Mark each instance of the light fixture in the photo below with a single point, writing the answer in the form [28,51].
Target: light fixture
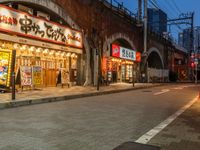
[3,45]
[58,53]
[38,50]
[68,54]
[52,52]
[46,51]
[72,55]
[63,54]
[24,47]
[32,48]
[16,46]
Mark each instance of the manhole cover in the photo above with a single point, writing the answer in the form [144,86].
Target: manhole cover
[136,146]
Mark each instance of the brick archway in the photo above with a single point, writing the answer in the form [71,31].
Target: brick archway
[114,37]
[155,50]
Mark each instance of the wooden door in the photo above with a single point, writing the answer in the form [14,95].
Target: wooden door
[49,73]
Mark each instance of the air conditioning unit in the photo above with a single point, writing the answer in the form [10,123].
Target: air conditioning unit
[25,9]
[43,15]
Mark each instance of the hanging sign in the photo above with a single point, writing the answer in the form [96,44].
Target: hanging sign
[23,24]
[5,67]
[37,75]
[26,75]
[64,76]
[138,57]
[124,53]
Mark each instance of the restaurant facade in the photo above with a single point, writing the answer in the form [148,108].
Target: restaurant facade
[42,53]
[121,64]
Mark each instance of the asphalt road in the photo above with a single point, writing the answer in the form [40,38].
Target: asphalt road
[92,123]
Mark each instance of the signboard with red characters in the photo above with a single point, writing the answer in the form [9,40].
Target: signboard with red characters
[124,53]
[115,50]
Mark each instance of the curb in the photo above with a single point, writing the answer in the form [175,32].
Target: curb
[13,104]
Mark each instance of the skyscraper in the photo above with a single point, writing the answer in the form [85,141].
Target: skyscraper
[157,20]
[197,38]
[184,39]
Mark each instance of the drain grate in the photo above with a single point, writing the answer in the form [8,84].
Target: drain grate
[136,146]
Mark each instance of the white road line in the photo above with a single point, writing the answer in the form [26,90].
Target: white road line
[178,88]
[163,91]
[144,139]
[182,87]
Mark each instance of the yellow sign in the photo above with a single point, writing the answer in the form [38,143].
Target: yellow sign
[37,75]
[5,67]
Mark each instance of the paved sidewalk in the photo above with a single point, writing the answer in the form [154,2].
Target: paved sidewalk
[59,94]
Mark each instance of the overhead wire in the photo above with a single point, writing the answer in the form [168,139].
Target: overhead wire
[155,4]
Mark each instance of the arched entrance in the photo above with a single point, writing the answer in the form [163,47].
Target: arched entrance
[155,67]
[118,59]
[155,59]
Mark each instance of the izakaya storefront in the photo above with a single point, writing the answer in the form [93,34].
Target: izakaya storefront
[42,53]
[121,65]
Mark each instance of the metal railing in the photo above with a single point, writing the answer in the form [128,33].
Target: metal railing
[119,9]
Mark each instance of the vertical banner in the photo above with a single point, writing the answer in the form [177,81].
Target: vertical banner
[37,75]
[5,67]
[64,76]
[26,75]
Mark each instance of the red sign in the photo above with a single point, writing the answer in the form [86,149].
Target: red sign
[115,50]
[138,57]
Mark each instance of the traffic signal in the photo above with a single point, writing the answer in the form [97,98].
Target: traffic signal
[192,65]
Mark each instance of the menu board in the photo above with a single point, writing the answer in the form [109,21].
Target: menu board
[37,75]
[26,75]
[64,76]
[5,67]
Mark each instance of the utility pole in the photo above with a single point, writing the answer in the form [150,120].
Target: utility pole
[145,26]
[192,43]
[139,15]
[145,36]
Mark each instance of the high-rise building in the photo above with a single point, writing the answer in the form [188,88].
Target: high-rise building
[197,38]
[157,20]
[184,39]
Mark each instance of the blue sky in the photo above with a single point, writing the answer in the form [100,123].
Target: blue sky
[173,8]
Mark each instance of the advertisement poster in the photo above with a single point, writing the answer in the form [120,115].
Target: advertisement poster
[5,60]
[26,75]
[37,75]
[64,76]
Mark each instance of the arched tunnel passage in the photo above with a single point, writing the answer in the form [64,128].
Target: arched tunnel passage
[118,66]
[154,61]
[123,43]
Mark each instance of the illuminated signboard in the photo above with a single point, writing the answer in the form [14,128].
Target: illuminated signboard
[138,57]
[5,67]
[124,53]
[23,24]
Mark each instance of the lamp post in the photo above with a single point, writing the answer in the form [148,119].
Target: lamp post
[98,67]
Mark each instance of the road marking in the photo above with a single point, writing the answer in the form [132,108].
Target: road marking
[163,91]
[178,88]
[182,87]
[144,139]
